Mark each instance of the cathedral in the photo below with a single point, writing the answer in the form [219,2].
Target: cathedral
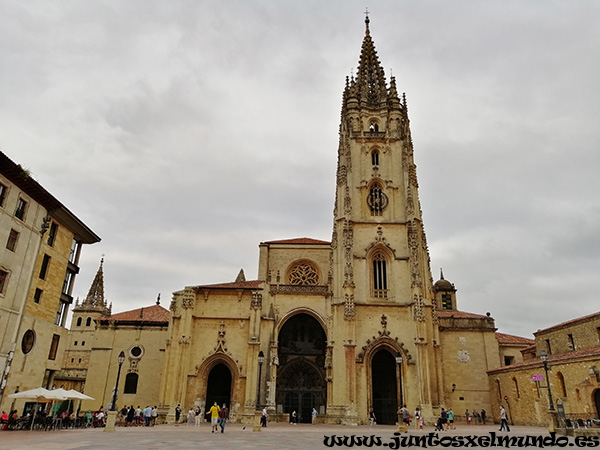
[345,325]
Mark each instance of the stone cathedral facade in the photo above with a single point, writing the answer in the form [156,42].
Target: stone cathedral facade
[345,325]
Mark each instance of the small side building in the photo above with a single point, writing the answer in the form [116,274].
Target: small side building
[573,379]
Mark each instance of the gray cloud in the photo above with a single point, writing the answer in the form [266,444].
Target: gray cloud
[184,133]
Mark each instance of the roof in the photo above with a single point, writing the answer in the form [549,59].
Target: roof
[21,178]
[568,323]
[560,358]
[451,313]
[301,241]
[147,314]
[508,339]
[253,284]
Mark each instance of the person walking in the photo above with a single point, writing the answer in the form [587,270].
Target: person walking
[450,415]
[214,416]
[503,420]
[177,413]
[263,418]
[314,415]
[294,418]
[191,417]
[223,416]
[417,417]
[198,418]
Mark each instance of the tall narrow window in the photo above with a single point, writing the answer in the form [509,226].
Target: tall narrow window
[79,319]
[562,388]
[54,347]
[88,322]
[571,342]
[375,157]
[13,237]
[73,253]
[548,346]
[131,382]
[69,276]
[3,279]
[44,268]
[61,314]
[52,234]
[3,191]
[379,276]
[376,200]
[20,209]
[37,297]
[516,386]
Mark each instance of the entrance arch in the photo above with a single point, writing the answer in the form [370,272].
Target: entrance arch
[385,380]
[301,373]
[218,387]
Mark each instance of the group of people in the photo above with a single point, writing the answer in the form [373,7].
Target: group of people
[475,416]
[218,416]
[445,420]
[131,416]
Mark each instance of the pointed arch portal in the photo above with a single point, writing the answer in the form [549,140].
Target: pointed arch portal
[218,388]
[384,387]
[301,373]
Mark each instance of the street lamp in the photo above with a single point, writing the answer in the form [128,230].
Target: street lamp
[544,358]
[261,360]
[399,363]
[121,359]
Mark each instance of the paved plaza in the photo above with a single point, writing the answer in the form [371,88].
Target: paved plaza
[236,436]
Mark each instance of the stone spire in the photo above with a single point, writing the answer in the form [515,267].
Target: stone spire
[370,85]
[95,299]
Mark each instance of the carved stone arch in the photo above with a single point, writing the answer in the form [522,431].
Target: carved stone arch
[304,272]
[196,392]
[380,246]
[301,310]
[375,344]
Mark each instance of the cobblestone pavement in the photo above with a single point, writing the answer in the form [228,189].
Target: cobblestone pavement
[236,436]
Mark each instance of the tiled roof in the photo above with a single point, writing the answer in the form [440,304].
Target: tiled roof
[448,313]
[253,284]
[560,358]
[154,313]
[303,240]
[568,322]
[510,339]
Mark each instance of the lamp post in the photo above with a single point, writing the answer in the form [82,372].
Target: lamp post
[399,363]
[121,359]
[544,358]
[111,415]
[261,360]
[257,414]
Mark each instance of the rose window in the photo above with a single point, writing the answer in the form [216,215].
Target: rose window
[304,274]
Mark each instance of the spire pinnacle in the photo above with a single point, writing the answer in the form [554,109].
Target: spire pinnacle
[367,18]
[95,298]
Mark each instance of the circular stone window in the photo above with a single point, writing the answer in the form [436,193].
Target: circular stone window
[28,341]
[136,352]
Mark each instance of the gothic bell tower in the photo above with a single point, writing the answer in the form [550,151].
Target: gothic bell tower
[380,276]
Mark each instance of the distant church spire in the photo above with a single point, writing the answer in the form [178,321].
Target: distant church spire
[95,299]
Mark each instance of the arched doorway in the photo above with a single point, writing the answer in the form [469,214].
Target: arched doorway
[384,387]
[218,388]
[597,402]
[301,374]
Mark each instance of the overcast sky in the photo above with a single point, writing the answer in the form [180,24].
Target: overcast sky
[184,133]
